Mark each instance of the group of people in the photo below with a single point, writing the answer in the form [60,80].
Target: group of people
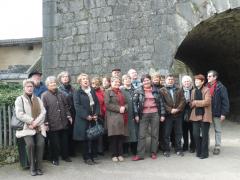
[56,116]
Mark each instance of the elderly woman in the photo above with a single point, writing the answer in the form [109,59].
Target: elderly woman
[128,91]
[58,118]
[106,83]
[187,129]
[201,116]
[117,118]
[67,90]
[149,110]
[30,110]
[87,112]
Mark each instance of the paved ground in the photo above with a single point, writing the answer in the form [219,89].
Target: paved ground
[222,167]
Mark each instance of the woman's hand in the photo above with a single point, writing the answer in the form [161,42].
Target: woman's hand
[89,118]
[70,119]
[122,109]
[162,118]
[94,117]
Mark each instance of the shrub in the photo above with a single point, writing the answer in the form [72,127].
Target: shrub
[8,155]
[9,92]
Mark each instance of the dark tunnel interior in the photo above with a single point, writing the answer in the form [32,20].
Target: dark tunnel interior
[215,44]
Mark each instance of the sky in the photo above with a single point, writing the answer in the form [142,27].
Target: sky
[20,19]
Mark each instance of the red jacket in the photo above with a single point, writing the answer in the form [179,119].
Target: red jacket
[100,96]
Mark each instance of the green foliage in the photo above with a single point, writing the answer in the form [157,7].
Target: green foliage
[8,155]
[9,92]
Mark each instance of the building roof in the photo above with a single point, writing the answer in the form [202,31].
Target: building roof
[16,42]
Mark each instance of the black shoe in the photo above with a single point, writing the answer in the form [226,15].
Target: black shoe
[95,161]
[33,173]
[39,172]
[67,160]
[192,151]
[100,153]
[179,153]
[55,163]
[216,151]
[203,157]
[89,162]
[166,154]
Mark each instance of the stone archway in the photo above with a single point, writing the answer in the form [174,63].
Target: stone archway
[215,44]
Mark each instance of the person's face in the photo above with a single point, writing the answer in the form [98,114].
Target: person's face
[127,81]
[116,73]
[105,83]
[133,74]
[28,88]
[36,78]
[146,83]
[170,81]
[115,83]
[84,83]
[187,83]
[198,83]
[52,86]
[65,79]
[162,81]
[95,84]
[156,80]
[211,78]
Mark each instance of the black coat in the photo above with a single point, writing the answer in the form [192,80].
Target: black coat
[220,101]
[83,110]
[139,98]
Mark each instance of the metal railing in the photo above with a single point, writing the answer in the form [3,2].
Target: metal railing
[7,135]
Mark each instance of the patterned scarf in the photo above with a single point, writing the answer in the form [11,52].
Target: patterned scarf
[121,102]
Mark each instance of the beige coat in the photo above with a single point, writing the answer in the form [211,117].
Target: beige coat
[115,122]
[206,103]
[27,117]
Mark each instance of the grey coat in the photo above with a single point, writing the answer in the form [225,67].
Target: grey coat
[115,121]
[132,125]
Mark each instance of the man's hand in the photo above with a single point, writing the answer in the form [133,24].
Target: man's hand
[222,118]
[162,118]
[137,119]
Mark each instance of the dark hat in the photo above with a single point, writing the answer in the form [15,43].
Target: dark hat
[116,69]
[34,72]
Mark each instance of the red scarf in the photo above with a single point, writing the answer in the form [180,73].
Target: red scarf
[212,88]
[121,102]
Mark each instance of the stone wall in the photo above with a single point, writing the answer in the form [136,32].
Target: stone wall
[94,36]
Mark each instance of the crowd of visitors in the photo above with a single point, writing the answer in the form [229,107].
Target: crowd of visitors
[57,116]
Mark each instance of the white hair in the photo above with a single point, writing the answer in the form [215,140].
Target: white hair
[186,78]
[50,79]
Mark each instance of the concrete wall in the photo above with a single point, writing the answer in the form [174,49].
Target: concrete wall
[18,55]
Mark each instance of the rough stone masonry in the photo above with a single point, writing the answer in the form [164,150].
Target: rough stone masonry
[94,36]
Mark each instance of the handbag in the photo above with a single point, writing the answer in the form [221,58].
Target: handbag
[17,124]
[94,131]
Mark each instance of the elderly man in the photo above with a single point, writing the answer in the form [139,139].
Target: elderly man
[58,117]
[174,103]
[136,83]
[116,72]
[220,106]
[39,86]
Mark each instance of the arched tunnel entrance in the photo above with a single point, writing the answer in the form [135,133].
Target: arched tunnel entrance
[215,44]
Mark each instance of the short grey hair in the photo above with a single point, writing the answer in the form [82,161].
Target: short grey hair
[27,81]
[50,79]
[61,74]
[185,78]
